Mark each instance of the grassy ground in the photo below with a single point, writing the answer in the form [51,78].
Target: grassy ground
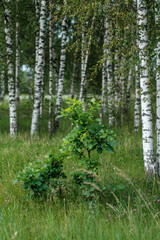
[129,211]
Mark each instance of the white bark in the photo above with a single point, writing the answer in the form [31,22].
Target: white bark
[157,18]
[116,77]
[74,75]
[50,70]
[122,83]
[39,71]
[110,95]
[11,90]
[137,101]
[61,76]
[36,36]
[2,86]
[30,85]
[55,67]
[104,75]
[147,132]
[17,90]
[84,62]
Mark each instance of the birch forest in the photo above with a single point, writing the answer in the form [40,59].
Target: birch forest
[80,119]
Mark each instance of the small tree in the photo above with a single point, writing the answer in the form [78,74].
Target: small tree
[87,134]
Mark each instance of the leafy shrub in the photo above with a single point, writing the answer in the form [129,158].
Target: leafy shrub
[87,134]
[40,178]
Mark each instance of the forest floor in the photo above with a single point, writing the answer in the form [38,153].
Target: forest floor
[130,211]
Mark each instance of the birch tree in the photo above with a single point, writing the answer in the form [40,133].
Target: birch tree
[104,74]
[11,87]
[137,101]
[147,132]
[50,69]
[17,91]
[61,76]
[84,61]
[2,85]
[157,20]
[74,76]
[39,70]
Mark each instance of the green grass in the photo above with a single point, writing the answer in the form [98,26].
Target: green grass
[130,210]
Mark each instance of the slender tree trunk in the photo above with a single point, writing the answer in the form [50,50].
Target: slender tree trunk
[50,71]
[84,63]
[36,36]
[11,89]
[74,76]
[109,75]
[147,132]
[30,85]
[137,101]
[158,88]
[55,66]
[2,86]
[122,83]
[42,89]
[61,77]
[104,74]
[128,95]
[116,79]
[39,71]
[17,90]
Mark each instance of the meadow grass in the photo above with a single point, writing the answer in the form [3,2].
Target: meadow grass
[129,210]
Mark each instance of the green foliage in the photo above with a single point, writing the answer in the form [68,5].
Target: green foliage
[87,134]
[40,178]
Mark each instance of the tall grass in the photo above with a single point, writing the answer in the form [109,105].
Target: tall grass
[130,210]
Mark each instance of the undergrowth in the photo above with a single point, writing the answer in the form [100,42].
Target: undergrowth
[128,209]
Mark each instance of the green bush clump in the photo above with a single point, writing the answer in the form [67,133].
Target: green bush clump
[87,135]
[42,177]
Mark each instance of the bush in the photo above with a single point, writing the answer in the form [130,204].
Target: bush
[41,178]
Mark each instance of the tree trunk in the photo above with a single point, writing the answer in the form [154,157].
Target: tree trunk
[137,101]
[30,85]
[50,71]
[2,86]
[84,62]
[104,74]
[39,70]
[158,89]
[55,66]
[147,132]
[17,90]
[74,76]
[61,77]
[11,89]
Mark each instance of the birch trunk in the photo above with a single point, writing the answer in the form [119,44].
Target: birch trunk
[30,85]
[147,132]
[17,90]
[50,71]
[42,88]
[137,101]
[39,71]
[74,76]
[2,86]
[84,63]
[116,77]
[122,83]
[104,75]
[55,67]
[61,77]
[157,18]
[109,75]
[11,87]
